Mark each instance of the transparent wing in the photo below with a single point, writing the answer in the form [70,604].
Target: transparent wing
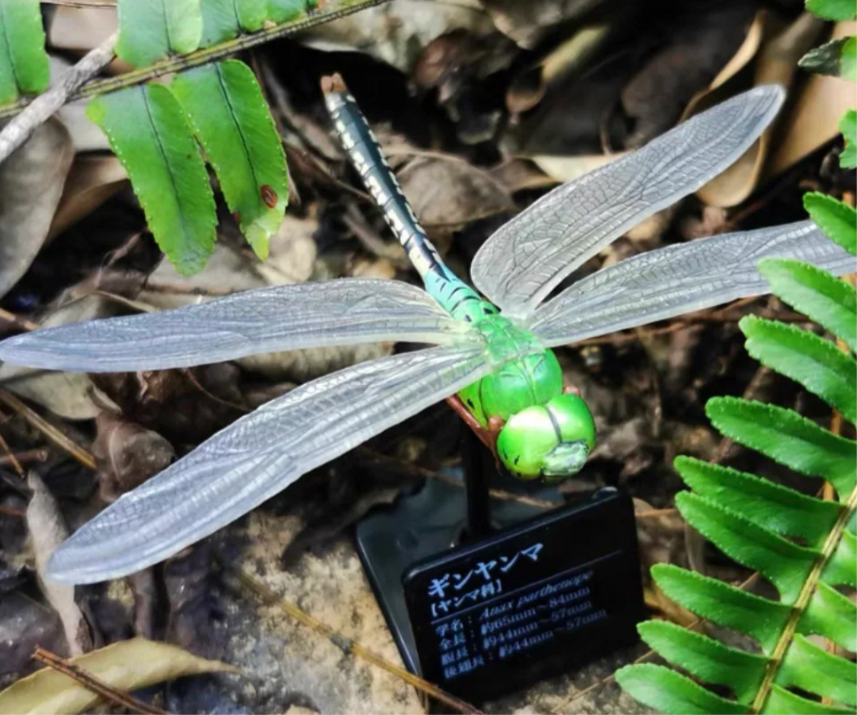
[527,258]
[259,455]
[680,279]
[337,312]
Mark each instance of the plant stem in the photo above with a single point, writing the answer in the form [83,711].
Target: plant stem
[45,105]
[201,57]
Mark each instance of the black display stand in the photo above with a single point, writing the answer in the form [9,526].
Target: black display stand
[485,596]
[437,518]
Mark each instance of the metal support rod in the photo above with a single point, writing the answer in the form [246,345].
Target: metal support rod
[476,479]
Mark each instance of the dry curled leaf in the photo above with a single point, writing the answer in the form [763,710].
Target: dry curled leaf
[31,183]
[127,455]
[91,182]
[815,118]
[775,63]
[127,665]
[47,531]
[447,191]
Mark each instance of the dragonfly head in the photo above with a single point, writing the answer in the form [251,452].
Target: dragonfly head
[551,441]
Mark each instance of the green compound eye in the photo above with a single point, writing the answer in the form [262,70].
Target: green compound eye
[551,441]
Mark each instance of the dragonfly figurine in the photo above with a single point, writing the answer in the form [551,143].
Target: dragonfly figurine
[496,356]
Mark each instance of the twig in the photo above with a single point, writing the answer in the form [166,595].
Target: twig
[46,428]
[16,320]
[347,645]
[200,57]
[10,458]
[90,682]
[12,511]
[46,104]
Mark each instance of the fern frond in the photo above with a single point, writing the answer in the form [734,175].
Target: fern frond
[225,106]
[23,60]
[758,523]
[148,132]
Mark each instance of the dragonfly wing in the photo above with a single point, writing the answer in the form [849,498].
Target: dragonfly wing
[680,279]
[337,312]
[258,456]
[528,257]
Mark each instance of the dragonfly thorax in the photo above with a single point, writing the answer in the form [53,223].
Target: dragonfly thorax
[546,433]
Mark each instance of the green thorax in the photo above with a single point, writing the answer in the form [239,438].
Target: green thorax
[526,375]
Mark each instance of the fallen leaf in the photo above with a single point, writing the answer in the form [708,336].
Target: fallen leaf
[814,121]
[569,168]
[776,63]
[446,191]
[127,455]
[31,183]
[527,23]
[702,42]
[48,530]
[530,85]
[25,624]
[397,33]
[127,665]
[91,182]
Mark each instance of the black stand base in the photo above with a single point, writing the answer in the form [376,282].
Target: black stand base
[436,519]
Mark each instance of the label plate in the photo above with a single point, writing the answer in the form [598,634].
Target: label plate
[530,601]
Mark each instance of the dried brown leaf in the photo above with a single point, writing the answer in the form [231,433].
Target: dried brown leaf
[775,63]
[446,191]
[127,455]
[31,183]
[814,121]
[48,530]
[91,182]
[127,665]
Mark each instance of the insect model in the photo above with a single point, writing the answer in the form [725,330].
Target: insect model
[496,356]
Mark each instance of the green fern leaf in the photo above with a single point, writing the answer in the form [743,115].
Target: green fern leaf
[23,60]
[150,30]
[848,127]
[787,438]
[836,219]
[782,510]
[813,669]
[224,19]
[783,702]
[726,605]
[707,658]
[837,10]
[148,133]
[829,301]
[225,106]
[670,692]
[815,363]
[832,615]
[841,570]
[782,562]
[285,10]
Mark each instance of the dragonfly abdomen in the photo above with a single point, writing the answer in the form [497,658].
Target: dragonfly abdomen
[457,298]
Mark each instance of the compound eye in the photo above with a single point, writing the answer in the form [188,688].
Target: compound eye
[551,441]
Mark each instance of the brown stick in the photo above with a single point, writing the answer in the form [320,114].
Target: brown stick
[90,682]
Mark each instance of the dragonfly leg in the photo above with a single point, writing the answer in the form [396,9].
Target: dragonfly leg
[487,435]
[569,389]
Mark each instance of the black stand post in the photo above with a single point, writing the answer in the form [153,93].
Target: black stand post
[476,488]
[429,523]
